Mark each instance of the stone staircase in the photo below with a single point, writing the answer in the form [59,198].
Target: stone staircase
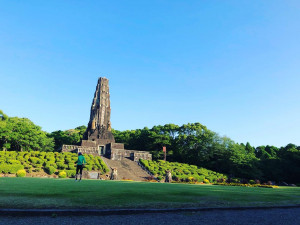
[127,169]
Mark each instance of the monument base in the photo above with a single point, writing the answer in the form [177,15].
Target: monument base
[113,151]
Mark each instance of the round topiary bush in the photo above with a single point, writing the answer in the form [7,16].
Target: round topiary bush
[70,173]
[49,169]
[252,182]
[206,181]
[62,174]
[88,167]
[21,173]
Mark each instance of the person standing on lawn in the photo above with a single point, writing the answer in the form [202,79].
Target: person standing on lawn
[80,163]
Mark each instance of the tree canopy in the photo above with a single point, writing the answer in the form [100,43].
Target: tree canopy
[191,143]
[194,144]
[22,134]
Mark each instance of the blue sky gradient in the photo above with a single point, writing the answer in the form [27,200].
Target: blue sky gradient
[233,66]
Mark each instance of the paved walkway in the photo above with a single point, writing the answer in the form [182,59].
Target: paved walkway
[289,216]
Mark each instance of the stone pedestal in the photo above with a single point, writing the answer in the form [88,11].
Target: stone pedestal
[90,174]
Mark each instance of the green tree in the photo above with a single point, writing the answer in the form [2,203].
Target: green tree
[249,148]
[22,134]
[4,131]
[290,163]
[67,137]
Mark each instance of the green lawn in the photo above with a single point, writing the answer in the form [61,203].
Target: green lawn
[65,193]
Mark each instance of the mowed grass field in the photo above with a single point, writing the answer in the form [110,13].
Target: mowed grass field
[36,193]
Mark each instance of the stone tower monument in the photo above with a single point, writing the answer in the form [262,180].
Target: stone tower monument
[98,138]
[99,127]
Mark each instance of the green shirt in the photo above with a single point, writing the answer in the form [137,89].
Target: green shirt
[81,160]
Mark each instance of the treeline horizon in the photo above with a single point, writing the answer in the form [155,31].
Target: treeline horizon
[191,143]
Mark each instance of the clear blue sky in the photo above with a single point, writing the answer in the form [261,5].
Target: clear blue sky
[233,66]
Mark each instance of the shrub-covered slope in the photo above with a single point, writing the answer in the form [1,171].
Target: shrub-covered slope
[182,172]
[50,162]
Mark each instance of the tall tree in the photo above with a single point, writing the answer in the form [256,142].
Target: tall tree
[21,134]
[67,137]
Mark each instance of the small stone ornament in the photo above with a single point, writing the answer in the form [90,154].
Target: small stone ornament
[168,176]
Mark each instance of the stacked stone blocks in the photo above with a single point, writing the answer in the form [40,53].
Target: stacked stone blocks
[98,138]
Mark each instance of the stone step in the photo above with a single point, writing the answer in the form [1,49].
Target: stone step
[127,169]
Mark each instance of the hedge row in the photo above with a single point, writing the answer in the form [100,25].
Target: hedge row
[50,162]
[247,185]
[182,172]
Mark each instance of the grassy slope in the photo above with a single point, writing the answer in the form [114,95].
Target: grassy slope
[65,193]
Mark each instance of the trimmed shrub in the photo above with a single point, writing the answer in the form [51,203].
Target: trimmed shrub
[71,166]
[69,160]
[62,174]
[27,166]
[50,169]
[206,181]
[51,163]
[21,173]
[61,165]
[51,158]
[190,179]
[13,161]
[70,173]
[9,168]
[104,167]
[88,167]
[252,182]
[201,178]
[182,172]
[27,156]
[34,160]
[247,185]
[175,178]
[42,155]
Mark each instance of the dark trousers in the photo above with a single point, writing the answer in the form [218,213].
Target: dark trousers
[79,168]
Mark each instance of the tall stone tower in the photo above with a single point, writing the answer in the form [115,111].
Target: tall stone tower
[98,138]
[99,127]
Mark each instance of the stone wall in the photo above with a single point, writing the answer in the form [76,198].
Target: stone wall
[119,154]
[111,152]
[116,145]
[137,155]
[92,151]
[82,149]
[88,143]
[68,148]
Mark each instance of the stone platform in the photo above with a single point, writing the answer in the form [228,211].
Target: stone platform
[113,151]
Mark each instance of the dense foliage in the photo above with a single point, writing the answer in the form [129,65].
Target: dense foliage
[51,162]
[196,145]
[67,137]
[21,134]
[190,143]
[182,172]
